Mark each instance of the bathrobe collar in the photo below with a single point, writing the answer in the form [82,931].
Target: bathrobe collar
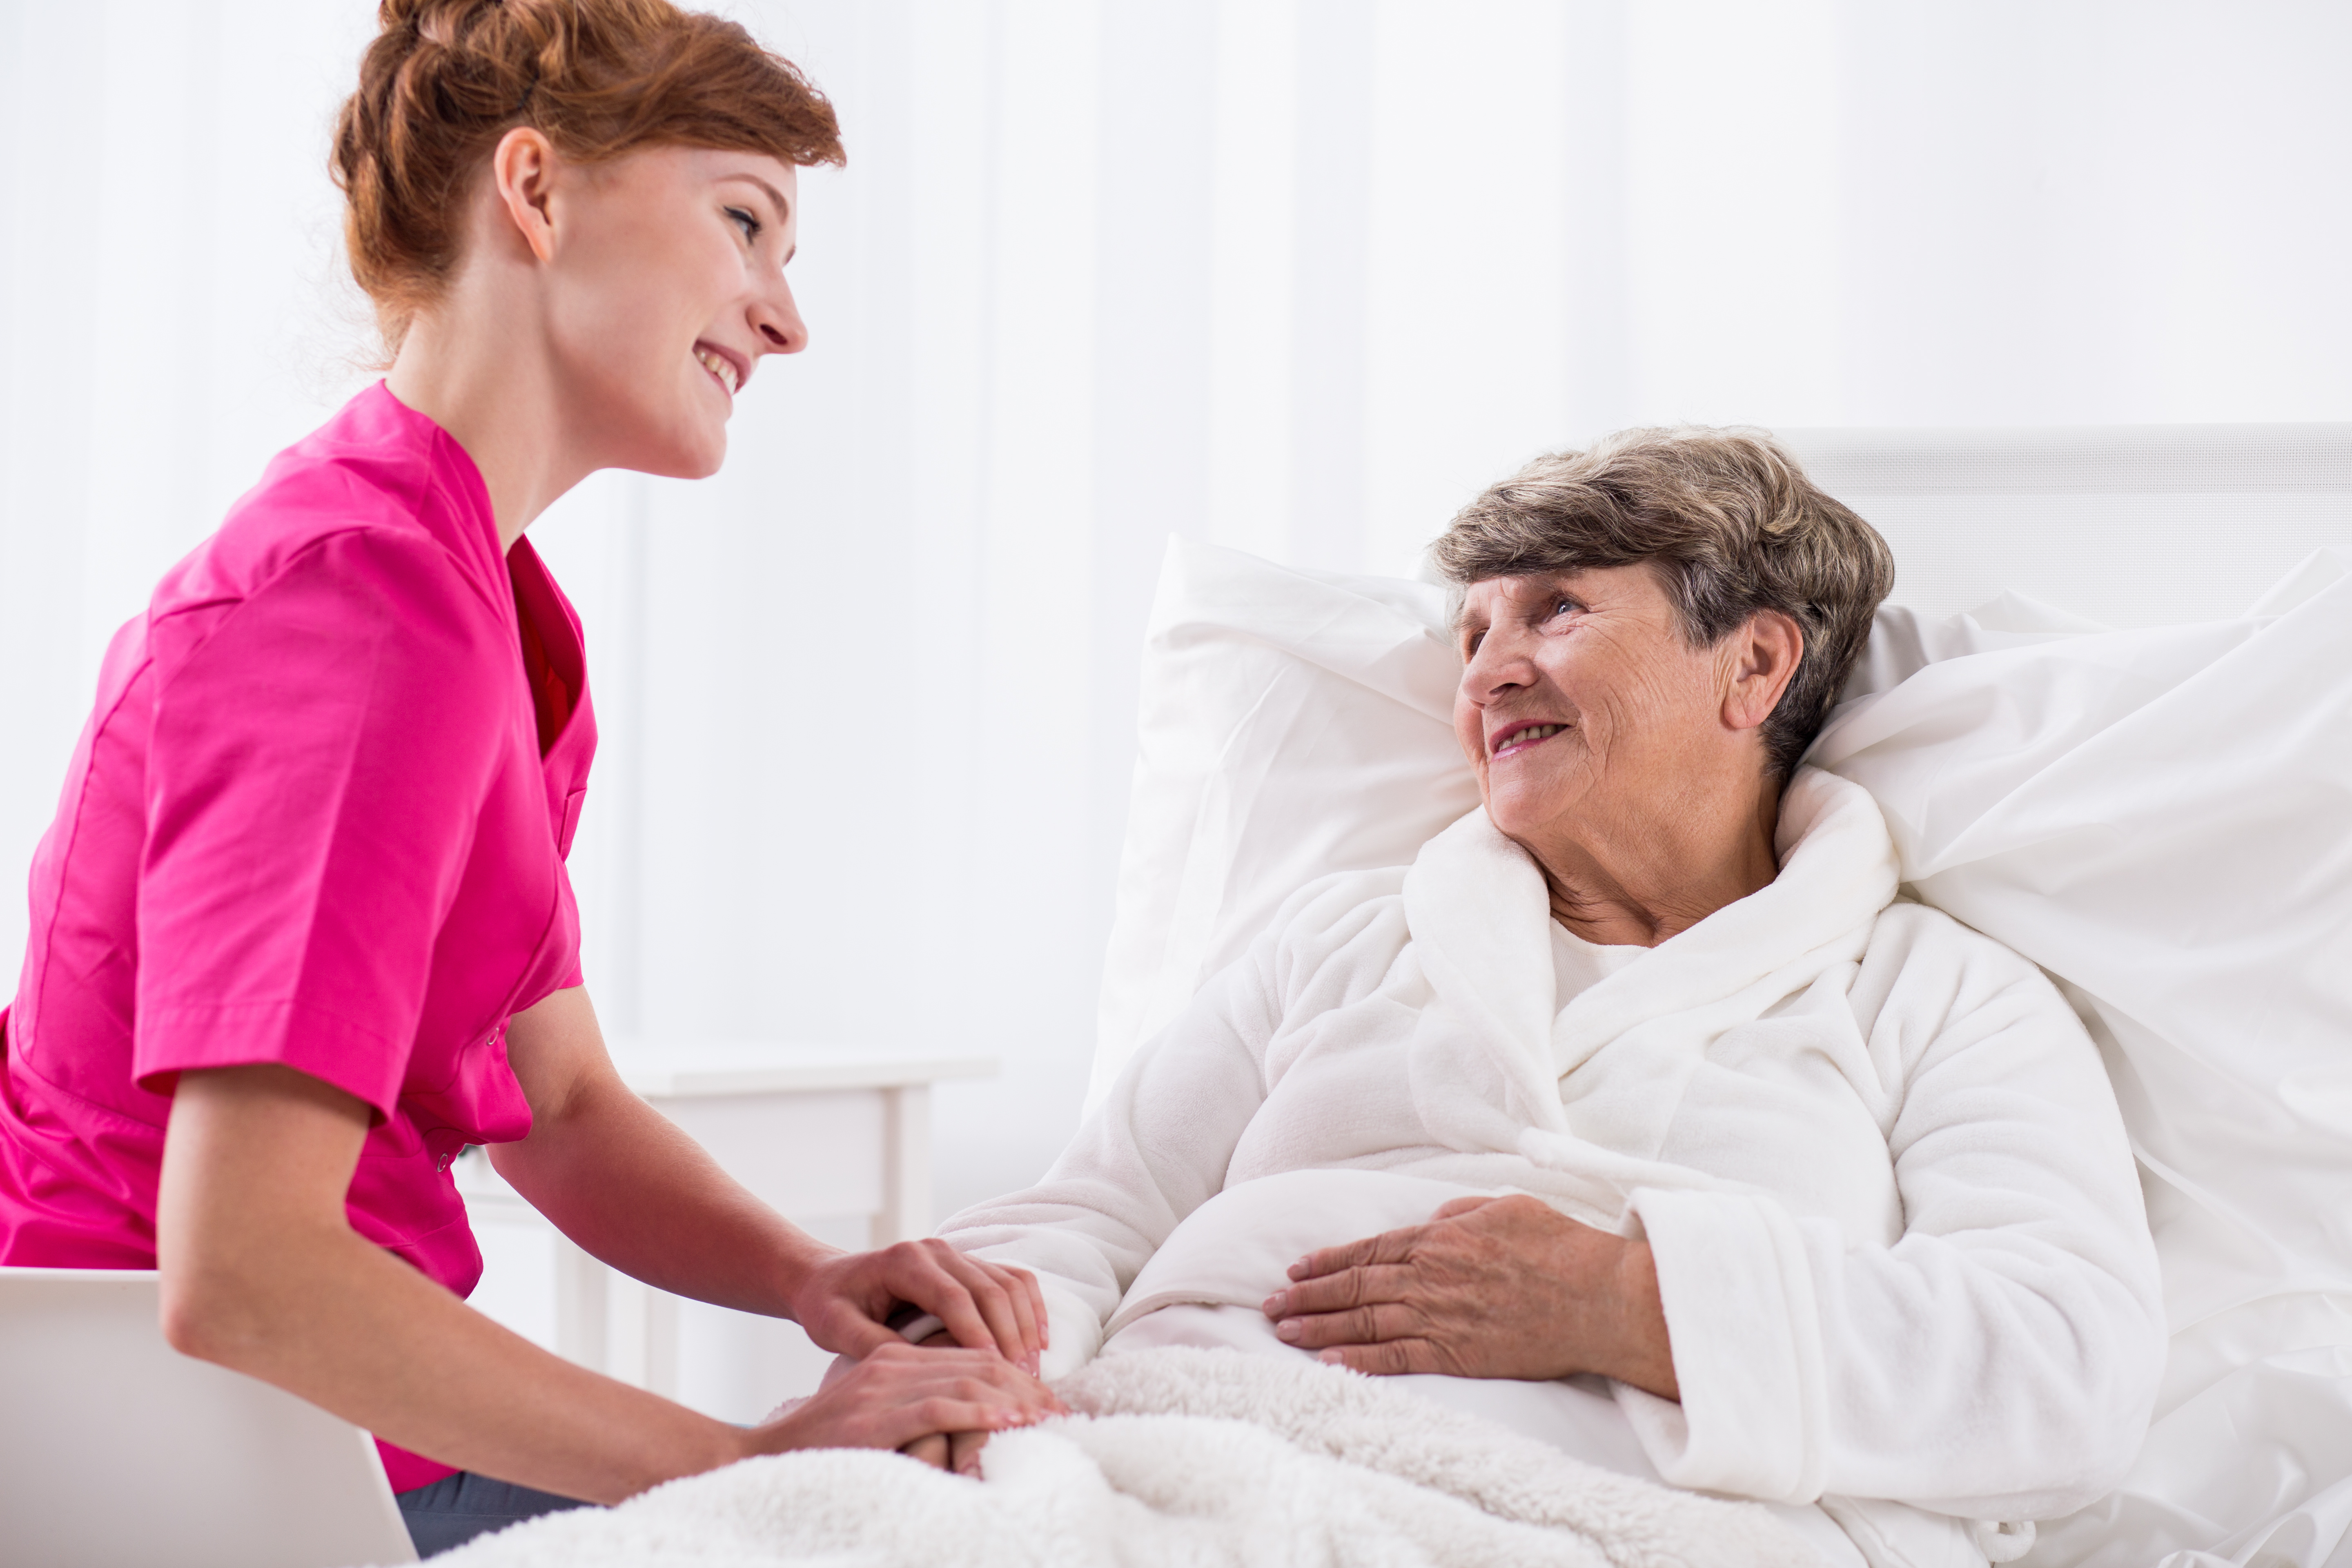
[1481,923]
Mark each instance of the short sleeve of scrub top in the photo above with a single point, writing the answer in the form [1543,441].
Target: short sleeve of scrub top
[317,758]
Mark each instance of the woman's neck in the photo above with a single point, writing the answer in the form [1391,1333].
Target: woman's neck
[1637,881]
[478,369]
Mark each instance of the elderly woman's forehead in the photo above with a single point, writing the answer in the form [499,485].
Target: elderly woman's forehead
[1524,585]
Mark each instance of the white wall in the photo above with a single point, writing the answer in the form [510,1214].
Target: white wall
[1295,275]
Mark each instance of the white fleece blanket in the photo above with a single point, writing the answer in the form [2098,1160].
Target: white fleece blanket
[1183,1457]
[1898,1233]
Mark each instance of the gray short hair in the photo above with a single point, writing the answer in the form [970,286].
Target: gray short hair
[1730,524]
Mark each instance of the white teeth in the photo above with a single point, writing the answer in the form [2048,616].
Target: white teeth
[719,366]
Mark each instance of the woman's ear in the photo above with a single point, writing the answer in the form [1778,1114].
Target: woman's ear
[522,175]
[1764,655]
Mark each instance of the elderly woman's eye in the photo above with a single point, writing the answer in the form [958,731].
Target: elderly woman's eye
[749,224]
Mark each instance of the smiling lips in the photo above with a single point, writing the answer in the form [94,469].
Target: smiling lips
[721,368]
[1519,737]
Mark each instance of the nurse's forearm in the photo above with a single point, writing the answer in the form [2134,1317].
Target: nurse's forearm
[261,1272]
[620,1179]
[616,1177]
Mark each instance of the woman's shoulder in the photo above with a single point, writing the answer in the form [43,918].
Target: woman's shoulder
[378,499]
[1928,972]
[1341,917]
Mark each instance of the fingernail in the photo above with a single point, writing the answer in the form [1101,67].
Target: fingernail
[1277,1304]
[1288,1329]
[1298,1270]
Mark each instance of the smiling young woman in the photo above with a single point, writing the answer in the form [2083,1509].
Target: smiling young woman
[302,926]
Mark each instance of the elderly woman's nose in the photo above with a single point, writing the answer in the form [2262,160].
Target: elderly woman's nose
[1496,665]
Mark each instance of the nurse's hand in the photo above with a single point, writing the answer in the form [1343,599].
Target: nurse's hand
[845,1301]
[899,1396]
[1502,1287]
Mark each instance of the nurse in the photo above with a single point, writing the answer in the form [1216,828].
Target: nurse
[301,929]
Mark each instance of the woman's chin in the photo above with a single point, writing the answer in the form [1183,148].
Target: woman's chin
[695,455]
[1520,806]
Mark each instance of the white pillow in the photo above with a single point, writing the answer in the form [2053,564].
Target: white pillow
[1293,723]
[2161,818]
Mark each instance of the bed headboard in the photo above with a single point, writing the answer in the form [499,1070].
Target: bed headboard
[2130,525]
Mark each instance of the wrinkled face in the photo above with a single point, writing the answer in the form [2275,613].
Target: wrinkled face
[667,289]
[1579,697]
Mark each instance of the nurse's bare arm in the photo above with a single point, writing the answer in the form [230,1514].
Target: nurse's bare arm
[620,1179]
[263,1273]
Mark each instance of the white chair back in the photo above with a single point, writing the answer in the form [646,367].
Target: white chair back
[115,1449]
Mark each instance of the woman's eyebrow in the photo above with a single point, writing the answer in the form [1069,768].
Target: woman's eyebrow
[783,207]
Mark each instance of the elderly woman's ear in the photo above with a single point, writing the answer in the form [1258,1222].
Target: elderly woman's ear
[1759,660]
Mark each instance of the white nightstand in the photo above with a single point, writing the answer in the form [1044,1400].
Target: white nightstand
[821,1132]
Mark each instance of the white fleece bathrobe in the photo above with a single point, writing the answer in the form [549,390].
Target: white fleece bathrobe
[1898,1233]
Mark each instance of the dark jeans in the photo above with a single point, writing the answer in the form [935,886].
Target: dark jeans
[456,1508]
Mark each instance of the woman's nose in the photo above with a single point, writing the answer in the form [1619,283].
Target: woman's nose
[1494,669]
[777,320]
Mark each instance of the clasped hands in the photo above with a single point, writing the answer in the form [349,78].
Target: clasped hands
[1500,1287]
[1497,1287]
[976,1375]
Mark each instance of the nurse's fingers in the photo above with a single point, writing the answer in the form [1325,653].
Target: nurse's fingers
[1028,1306]
[901,1394]
[969,1297]
[931,1449]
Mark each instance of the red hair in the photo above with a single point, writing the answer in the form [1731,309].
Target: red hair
[445,80]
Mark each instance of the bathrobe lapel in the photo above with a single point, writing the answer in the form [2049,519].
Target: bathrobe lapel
[1837,872]
[1481,925]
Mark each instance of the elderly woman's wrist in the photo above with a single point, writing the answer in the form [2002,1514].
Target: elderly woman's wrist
[1642,1348]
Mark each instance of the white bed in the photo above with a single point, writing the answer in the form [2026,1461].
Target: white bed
[2161,814]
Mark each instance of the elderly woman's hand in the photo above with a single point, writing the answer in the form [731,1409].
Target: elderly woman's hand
[1489,1288]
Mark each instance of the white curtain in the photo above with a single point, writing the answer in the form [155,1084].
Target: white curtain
[1293,275]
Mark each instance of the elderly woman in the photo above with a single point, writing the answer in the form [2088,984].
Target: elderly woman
[1641,1111]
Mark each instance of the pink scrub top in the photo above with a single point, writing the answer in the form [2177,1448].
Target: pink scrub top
[318,817]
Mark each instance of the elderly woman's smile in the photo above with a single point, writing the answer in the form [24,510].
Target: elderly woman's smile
[1626,754]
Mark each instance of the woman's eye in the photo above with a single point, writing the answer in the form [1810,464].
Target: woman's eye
[749,225]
